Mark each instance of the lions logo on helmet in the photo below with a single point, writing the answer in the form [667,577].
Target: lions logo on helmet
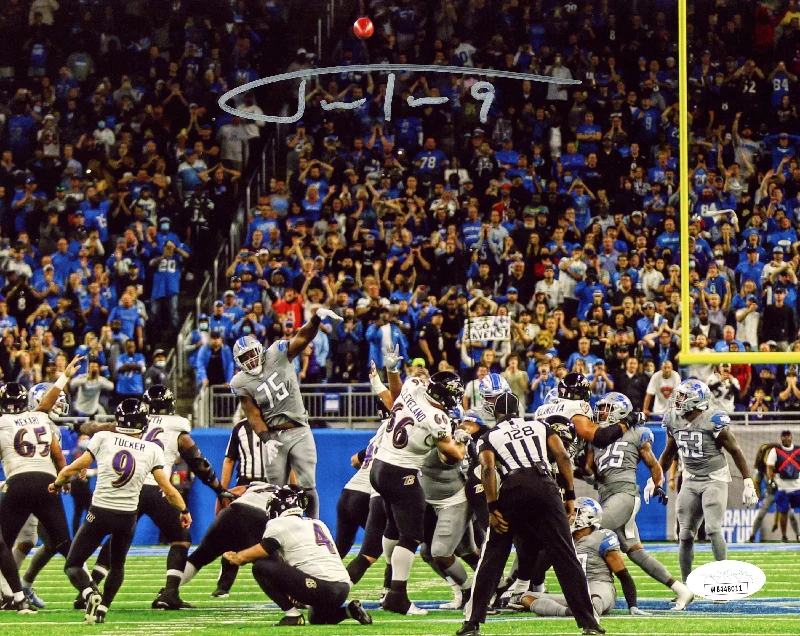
[36,395]
[248,353]
[490,388]
[691,395]
[574,386]
[612,408]
[552,396]
[588,514]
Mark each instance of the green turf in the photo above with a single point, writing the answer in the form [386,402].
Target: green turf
[244,611]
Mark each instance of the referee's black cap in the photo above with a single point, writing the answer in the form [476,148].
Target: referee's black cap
[506,404]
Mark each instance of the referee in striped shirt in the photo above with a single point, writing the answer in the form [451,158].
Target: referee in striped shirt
[526,505]
[244,453]
[244,450]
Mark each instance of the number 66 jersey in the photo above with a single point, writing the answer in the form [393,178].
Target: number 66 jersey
[275,390]
[164,431]
[123,463]
[414,429]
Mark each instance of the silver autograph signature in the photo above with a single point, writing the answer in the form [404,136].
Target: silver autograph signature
[481,91]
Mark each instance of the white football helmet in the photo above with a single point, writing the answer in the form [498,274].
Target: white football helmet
[612,408]
[248,353]
[491,387]
[36,395]
[588,514]
[691,395]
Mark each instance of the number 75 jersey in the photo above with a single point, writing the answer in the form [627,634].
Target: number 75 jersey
[164,431]
[25,441]
[275,390]
[415,427]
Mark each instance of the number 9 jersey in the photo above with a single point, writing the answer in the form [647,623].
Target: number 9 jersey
[164,431]
[123,463]
[275,389]
[414,429]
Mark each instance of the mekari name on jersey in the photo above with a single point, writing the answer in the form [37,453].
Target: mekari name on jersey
[25,442]
[123,463]
[164,431]
[415,427]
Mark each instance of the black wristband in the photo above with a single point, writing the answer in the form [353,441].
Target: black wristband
[185,511]
[316,321]
[493,505]
[569,495]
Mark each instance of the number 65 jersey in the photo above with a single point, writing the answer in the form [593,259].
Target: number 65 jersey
[697,444]
[275,390]
[123,463]
[164,431]
[414,429]
[25,441]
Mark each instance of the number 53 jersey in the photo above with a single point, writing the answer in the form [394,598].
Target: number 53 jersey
[275,390]
[697,444]
[123,463]
[414,429]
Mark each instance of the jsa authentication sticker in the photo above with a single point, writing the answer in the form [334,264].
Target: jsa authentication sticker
[726,580]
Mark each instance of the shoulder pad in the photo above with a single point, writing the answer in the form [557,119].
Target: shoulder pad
[720,420]
[281,345]
[586,409]
[473,416]
[645,436]
[609,542]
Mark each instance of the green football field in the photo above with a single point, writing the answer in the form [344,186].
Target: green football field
[773,610]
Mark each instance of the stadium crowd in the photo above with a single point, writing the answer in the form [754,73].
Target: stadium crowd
[116,165]
[560,212]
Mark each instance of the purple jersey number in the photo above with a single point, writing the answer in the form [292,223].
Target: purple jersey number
[152,436]
[124,465]
[24,448]
[322,538]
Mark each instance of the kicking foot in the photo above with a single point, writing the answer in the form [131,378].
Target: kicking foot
[33,597]
[24,607]
[469,628]
[92,603]
[291,621]
[356,611]
[220,593]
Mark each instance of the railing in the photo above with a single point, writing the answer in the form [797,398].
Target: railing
[354,406]
[171,371]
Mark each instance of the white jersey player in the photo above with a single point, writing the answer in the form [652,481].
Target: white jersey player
[420,422]
[123,463]
[309,570]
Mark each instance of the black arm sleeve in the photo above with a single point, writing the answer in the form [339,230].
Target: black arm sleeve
[271,545]
[362,454]
[628,587]
[605,435]
[201,467]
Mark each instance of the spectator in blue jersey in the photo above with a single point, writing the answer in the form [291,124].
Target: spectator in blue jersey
[127,313]
[589,135]
[220,322]
[130,368]
[750,269]
[214,365]
[542,381]
[265,221]
[429,160]
[166,234]
[383,334]
[48,290]
[167,270]
[649,322]
[23,202]
[189,171]
[96,210]
[231,305]
[583,353]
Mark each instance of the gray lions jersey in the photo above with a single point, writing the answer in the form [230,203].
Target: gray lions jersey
[442,481]
[275,390]
[592,550]
[697,444]
[615,465]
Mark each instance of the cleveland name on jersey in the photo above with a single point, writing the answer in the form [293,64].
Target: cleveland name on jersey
[615,465]
[165,430]
[414,429]
[697,444]
[123,463]
[25,441]
[275,390]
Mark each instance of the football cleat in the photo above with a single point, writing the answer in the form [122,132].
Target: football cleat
[100,614]
[291,621]
[413,610]
[169,600]
[92,603]
[468,628]
[7,603]
[457,602]
[79,603]
[24,607]
[590,631]
[684,598]
[220,593]
[356,611]
[33,597]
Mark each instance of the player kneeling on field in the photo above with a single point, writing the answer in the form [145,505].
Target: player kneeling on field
[310,570]
[599,554]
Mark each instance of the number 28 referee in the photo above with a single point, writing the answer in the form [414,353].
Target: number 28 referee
[527,505]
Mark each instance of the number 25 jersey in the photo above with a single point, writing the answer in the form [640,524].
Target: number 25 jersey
[164,431]
[275,390]
[123,463]
[414,429]
[25,441]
